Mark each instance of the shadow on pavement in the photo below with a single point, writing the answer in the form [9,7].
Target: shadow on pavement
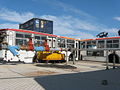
[96,80]
[56,66]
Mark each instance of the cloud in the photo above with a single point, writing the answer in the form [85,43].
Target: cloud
[112,31]
[74,10]
[63,25]
[71,22]
[8,25]
[77,28]
[70,26]
[13,16]
[68,8]
[117,18]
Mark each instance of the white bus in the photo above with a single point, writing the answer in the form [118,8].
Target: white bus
[95,49]
[20,38]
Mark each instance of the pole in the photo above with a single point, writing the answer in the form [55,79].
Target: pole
[107,60]
[73,56]
[66,47]
[114,60]
[66,56]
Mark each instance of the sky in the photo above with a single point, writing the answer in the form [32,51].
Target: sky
[81,19]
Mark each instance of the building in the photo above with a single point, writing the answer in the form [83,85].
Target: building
[38,25]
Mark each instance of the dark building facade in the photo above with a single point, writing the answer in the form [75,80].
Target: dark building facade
[39,25]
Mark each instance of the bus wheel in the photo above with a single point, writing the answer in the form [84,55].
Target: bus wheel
[111,57]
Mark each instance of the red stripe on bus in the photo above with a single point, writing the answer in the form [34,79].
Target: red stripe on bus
[28,31]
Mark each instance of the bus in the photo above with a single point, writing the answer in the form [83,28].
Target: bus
[99,48]
[14,42]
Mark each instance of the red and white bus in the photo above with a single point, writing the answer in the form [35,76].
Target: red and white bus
[19,37]
[97,49]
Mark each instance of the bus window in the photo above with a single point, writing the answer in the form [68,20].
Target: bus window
[19,35]
[91,44]
[37,37]
[61,42]
[19,42]
[27,36]
[70,41]
[88,44]
[25,42]
[82,44]
[43,37]
[95,53]
[112,44]
[100,44]
[115,44]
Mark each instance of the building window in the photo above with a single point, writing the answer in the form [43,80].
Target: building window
[37,25]
[21,26]
[42,24]
[31,22]
[37,21]
[26,25]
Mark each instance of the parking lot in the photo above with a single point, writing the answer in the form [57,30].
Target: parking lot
[15,76]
